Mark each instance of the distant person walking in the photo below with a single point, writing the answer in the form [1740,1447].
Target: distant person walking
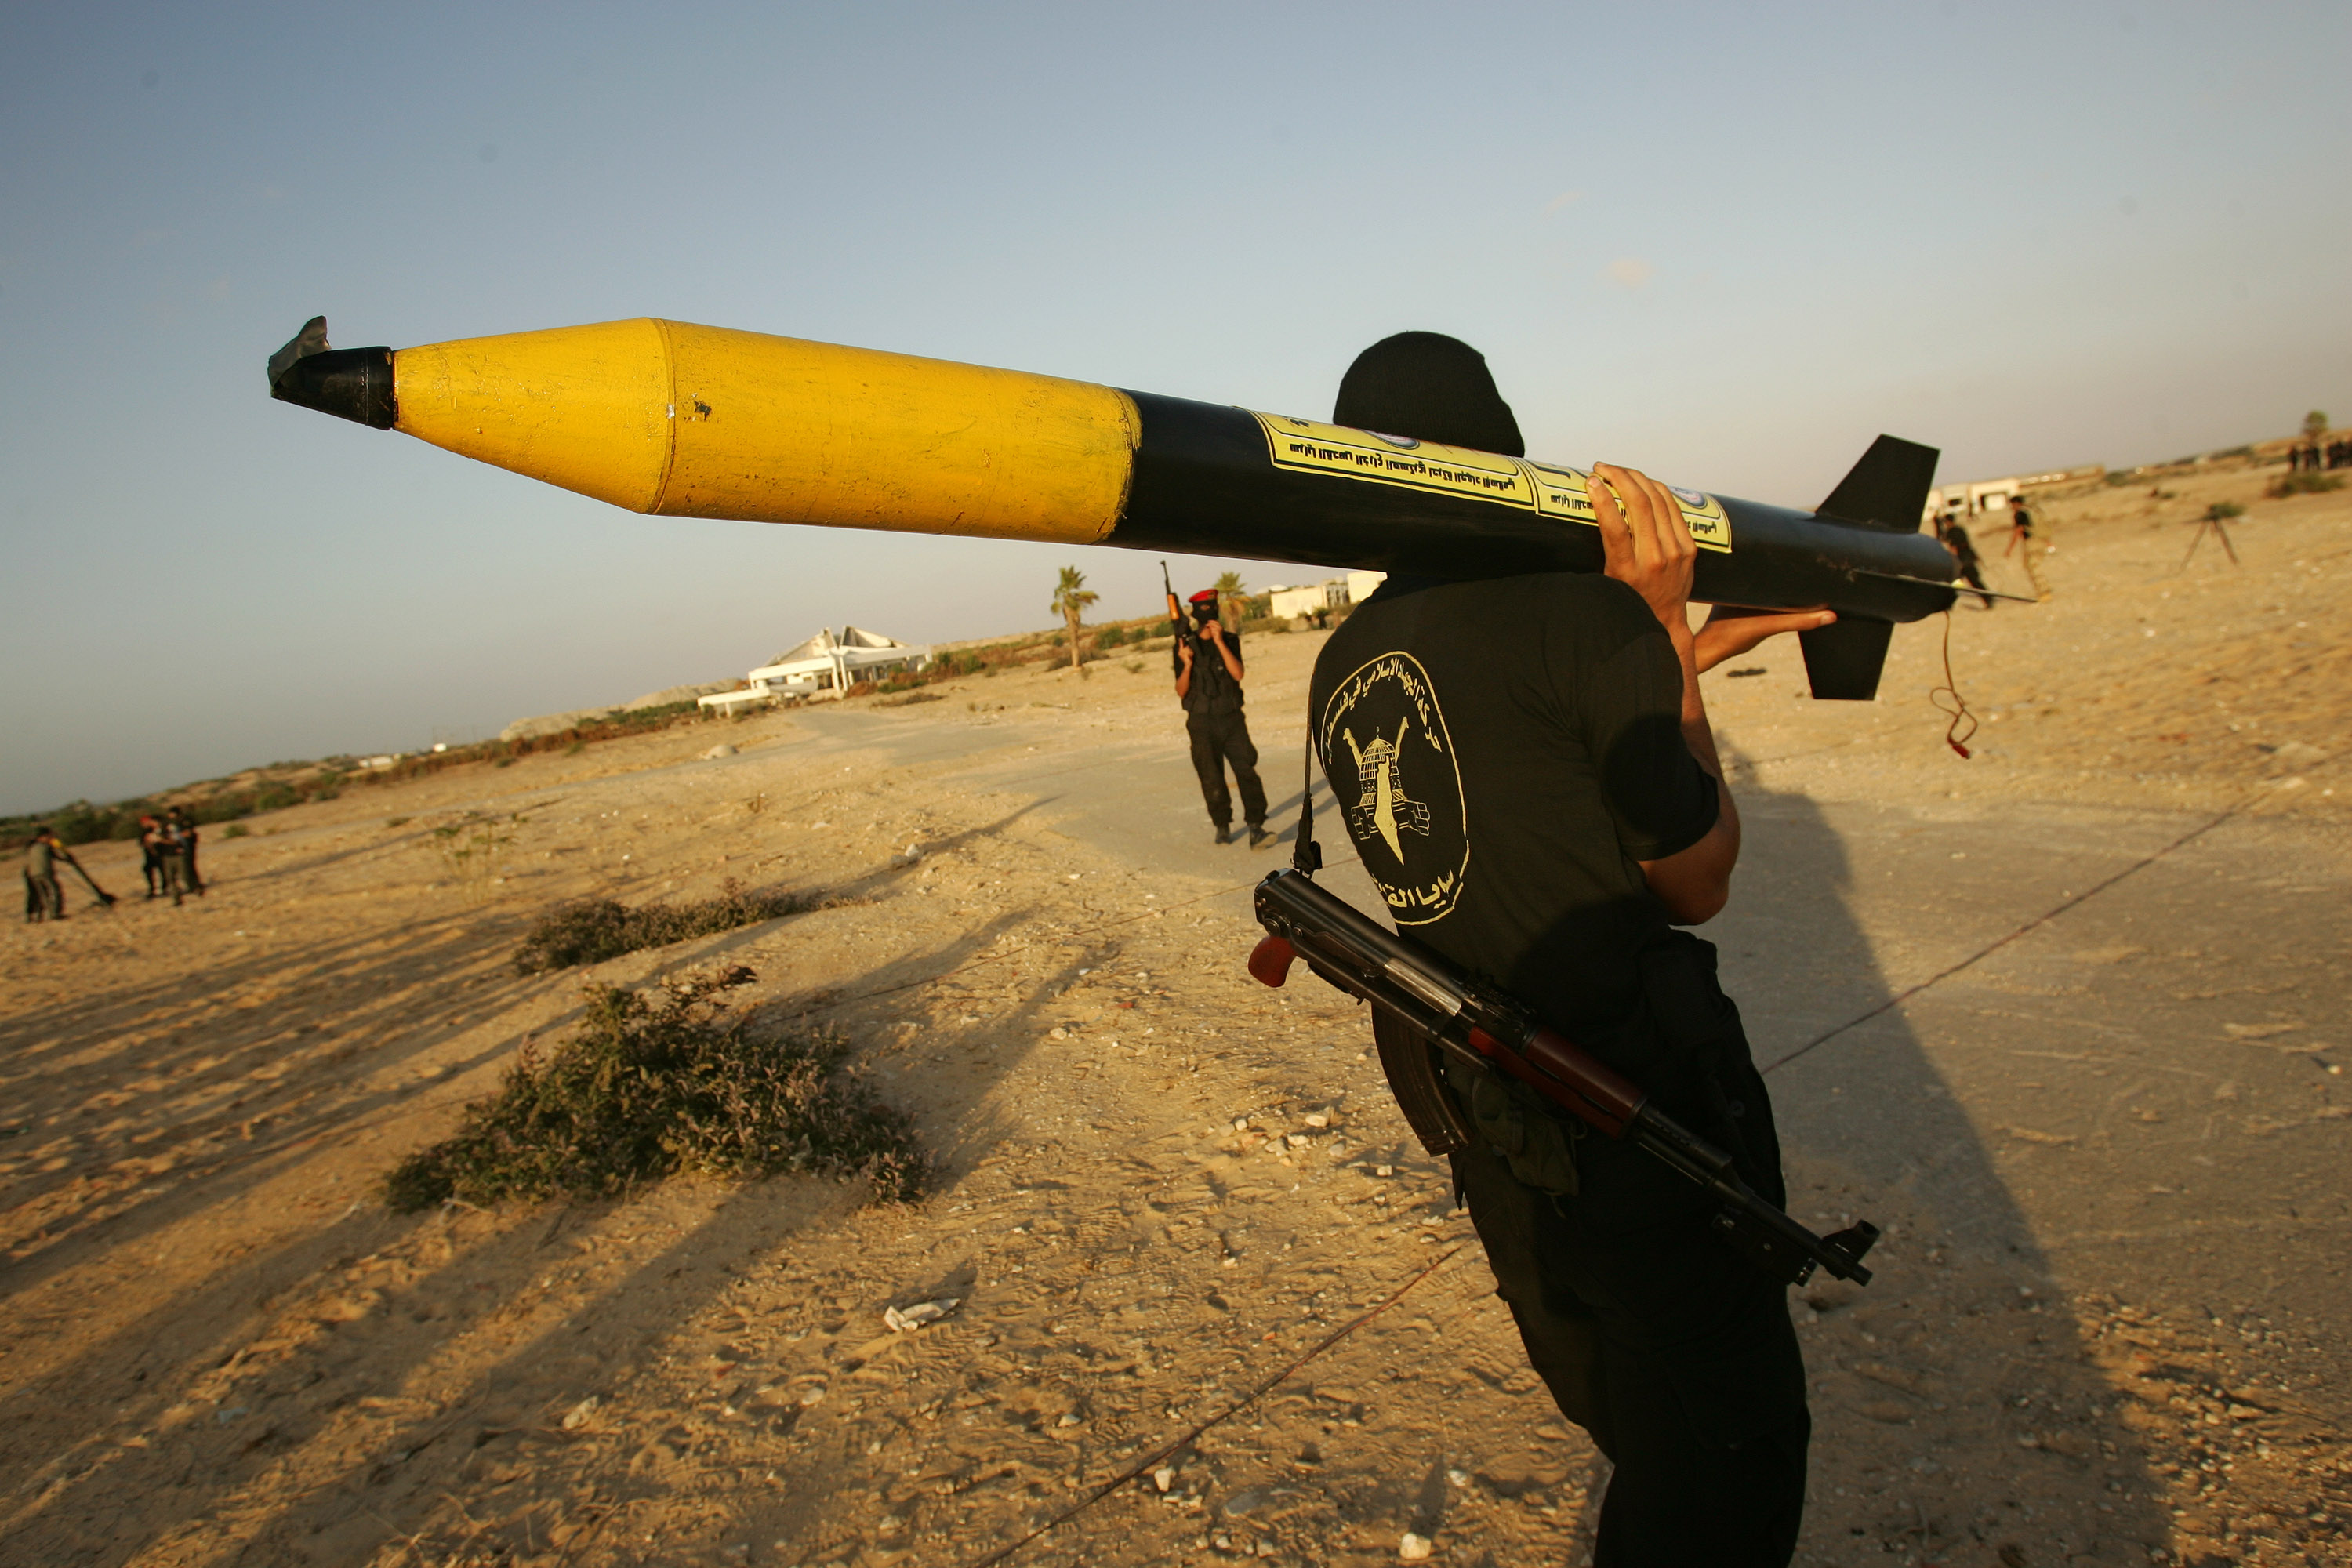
[1209,684]
[2021,533]
[188,836]
[1964,551]
[44,896]
[180,877]
[150,856]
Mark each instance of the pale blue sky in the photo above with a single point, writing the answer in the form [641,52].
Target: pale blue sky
[1729,243]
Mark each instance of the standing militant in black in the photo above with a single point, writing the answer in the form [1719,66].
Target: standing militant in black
[1209,683]
[150,856]
[1525,767]
[181,838]
[1956,539]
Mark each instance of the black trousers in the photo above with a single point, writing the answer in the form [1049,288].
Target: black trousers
[1219,739]
[1675,1353]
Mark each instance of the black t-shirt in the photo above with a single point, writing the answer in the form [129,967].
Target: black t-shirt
[1213,689]
[1503,754]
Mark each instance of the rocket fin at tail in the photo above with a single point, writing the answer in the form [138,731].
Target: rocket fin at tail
[1843,659]
[1888,488]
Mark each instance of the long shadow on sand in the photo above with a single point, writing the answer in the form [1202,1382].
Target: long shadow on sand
[1954,1409]
[318,1398]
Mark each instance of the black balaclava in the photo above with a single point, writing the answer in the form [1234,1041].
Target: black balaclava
[1431,387]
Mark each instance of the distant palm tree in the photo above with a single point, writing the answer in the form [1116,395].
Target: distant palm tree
[1072,596]
[1230,587]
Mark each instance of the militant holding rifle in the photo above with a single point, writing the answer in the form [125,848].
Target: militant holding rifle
[1491,1031]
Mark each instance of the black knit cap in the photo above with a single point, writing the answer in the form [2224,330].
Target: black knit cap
[1431,387]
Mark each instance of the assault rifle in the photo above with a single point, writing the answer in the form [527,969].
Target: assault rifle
[1474,1024]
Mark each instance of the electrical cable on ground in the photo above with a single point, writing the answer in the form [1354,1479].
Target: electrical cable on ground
[1992,947]
[1143,1466]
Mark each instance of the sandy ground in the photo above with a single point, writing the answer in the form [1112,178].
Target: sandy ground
[2067,1019]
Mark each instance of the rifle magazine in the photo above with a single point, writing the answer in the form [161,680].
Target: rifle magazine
[1409,1057]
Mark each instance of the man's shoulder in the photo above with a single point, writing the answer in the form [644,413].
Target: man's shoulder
[1588,605]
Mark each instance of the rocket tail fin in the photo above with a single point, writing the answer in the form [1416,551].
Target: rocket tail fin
[1843,659]
[1887,489]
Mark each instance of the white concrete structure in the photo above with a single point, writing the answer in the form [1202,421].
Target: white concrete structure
[1312,599]
[727,704]
[1315,598]
[1979,496]
[826,665]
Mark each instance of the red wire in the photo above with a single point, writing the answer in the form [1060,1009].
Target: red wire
[1954,736]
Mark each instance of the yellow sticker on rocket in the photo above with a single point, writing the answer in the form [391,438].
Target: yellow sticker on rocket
[1317,448]
[1562,492]
[1311,447]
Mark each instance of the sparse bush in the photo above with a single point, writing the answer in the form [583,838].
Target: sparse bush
[655,1083]
[2223,510]
[590,930]
[471,845]
[2304,484]
[235,830]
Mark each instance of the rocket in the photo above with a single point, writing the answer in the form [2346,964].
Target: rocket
[681,420]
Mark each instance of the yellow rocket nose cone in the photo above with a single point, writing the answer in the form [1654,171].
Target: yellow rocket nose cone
[582,407]
[691,421]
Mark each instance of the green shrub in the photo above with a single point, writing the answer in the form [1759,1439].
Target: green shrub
[654,1083]
[2223,510]
[590,930]
[235,830]
[2305,485]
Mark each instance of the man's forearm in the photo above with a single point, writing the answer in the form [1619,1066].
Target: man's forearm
[1700,736]
[1694,883]
[1698,733]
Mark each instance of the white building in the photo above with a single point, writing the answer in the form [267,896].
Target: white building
[1979,496]
[826,665]
[1315,599]
[1311,599]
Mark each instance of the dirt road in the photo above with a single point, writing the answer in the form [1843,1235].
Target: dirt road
[2066,1019]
